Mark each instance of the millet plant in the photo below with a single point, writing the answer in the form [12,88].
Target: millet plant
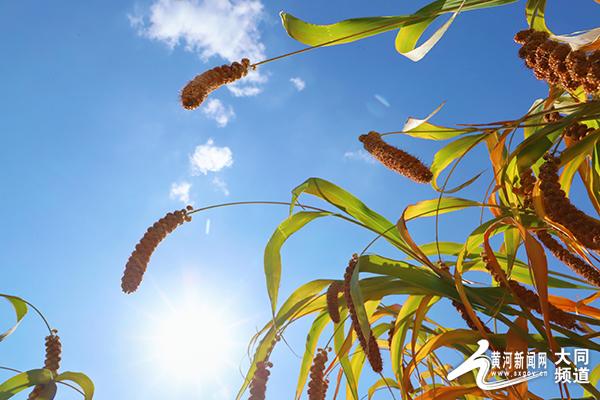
[534,159]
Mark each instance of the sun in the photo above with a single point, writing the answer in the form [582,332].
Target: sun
[196,341]
[192,342]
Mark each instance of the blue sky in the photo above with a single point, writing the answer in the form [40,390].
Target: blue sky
[93,142]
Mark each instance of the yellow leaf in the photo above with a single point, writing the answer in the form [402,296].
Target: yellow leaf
[516,343]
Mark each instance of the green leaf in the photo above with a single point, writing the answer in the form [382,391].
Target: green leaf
[352,206]
[534,12]
[81,380]
[583,147]
[428,208]
[569,171]
[312,339]
[530,151]
[423,129]
[339,337]
[342,32]
[407,38]
[427,130]
[464,184]
[272,257]
[23,381]
[401,327]
[512,240]
[452,151]
[289,310]
[594,378]
[20,308]
[380,384]
[354,29]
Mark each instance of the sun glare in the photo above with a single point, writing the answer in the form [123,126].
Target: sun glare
[192,344]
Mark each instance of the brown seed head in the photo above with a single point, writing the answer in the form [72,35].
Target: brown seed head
[317,386]
[396,159]
[196,91]
[522,36]
[53,352]
[527,180]
[462,310]
[529,298]
[140,257]
[369,346]
[579,266]
[258,385]
[557,63]
[560,209]
[333,306]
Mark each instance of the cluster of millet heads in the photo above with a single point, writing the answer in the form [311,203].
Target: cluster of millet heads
[557,63]
[560,210]
[317,386]
[51,362]
[198,89]
[138,261]
[395,159]
[369,345]
[579,266]
[529,298]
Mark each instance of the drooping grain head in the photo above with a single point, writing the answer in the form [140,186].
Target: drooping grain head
[333,306]
[258,385]
[138,261]
[317,386]
[396,159]
[53,352]
[570,259]
[198,89]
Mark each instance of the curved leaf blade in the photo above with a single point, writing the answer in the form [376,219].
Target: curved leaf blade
[272,256]
[24,380]
[20,307]
[82,380]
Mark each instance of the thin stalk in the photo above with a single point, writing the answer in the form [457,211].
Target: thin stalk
[437,214]
[333,214]
[40,314]
[388,386]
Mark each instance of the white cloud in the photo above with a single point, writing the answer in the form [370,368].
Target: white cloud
[181,191]
[221,185]
[382,100]
[359,155]
[207,226]
[210,158]
[298,83]
[228,29]
[214,109]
